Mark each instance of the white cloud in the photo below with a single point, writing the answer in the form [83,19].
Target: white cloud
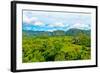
[80,26]
[32,21]
[29,20]
[39,23]
[57,24]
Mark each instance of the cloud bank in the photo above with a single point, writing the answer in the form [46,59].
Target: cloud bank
[50,21]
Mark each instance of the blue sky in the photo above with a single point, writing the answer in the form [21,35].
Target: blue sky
[51,21]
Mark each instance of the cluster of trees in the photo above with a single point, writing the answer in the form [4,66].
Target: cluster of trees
[82,39]
[56,48]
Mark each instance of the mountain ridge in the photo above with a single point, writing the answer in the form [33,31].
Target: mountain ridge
[70,32]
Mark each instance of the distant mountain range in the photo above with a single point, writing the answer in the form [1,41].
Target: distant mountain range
[73,32]
[70,32]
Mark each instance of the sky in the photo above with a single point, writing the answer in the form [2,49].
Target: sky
[51,20]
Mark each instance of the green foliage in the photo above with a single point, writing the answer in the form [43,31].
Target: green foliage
[58,33]
[55,48]
[82,39]
[60,56]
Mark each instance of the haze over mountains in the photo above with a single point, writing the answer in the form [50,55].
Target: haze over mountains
[49,28]
[70,32]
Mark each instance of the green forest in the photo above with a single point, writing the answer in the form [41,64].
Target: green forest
[55,46]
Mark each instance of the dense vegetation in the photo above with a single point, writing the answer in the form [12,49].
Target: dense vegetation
[56,47]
